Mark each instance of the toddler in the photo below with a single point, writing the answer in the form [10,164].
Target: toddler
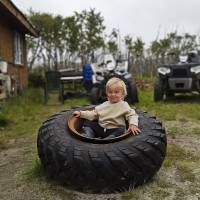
[108,120]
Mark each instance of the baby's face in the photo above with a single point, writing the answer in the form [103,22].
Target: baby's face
[114,94]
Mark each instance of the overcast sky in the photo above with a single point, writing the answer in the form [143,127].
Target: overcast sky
[138,18]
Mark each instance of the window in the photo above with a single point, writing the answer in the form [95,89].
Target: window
[18,49]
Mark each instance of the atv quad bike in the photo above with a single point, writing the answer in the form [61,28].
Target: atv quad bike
[178,78]
[107,68]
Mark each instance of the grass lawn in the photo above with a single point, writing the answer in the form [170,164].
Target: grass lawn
[20,118]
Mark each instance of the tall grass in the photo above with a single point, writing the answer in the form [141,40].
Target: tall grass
[25,106]
[20,114]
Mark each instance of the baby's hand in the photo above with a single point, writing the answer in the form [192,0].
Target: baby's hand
[77,113]
[134,129]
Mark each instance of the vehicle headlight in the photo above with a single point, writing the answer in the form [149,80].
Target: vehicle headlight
[110,66]
[99,78]
[163,70]
[127,76]
[195,70]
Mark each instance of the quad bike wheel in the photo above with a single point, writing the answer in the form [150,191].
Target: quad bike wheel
[158,91]
[96,95]
[100,165]
[133,94]
[169,95]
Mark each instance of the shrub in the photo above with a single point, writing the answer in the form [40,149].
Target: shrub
[36,80]
[3,121]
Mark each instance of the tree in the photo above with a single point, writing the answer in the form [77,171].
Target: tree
[164,48]
[34,45]
[91,24]
[58,44]
[189,42]
[44,23]
[112,43]
[72,36]
[129,45]
[138,52]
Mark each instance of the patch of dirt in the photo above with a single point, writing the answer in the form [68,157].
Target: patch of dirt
[12,160]
[183,137]
[190,143]
[21,152]
[17,159]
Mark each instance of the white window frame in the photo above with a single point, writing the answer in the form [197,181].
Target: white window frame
[18,54]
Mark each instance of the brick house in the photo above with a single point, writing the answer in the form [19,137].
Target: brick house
[13,28]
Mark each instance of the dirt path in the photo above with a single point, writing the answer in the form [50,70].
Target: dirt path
[12,161]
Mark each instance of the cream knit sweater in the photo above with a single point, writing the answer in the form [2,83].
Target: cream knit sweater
[112,115]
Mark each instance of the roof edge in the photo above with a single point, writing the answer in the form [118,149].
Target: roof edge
[12,8]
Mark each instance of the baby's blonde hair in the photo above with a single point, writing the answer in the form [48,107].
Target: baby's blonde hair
[117,81]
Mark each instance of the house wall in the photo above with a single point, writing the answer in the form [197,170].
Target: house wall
[18,72]
[6,41]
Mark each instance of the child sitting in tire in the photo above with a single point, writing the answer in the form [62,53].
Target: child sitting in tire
[111,115]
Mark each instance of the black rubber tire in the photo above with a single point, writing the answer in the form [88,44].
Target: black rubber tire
[96,95]
[133,93]
[104,168]
[169,95]
[158,91]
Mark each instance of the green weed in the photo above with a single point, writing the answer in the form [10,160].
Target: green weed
[155,189]
[185,170]
[196,131]
[168,163]
[36,170]
[77,102]
[172,130]
[176,153]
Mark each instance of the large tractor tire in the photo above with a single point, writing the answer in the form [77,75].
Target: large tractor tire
[158,91]
[100,165]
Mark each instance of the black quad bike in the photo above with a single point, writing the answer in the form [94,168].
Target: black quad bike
[181,77]
[107,69]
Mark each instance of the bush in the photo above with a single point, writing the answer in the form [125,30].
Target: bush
[36,80]
[4,121]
